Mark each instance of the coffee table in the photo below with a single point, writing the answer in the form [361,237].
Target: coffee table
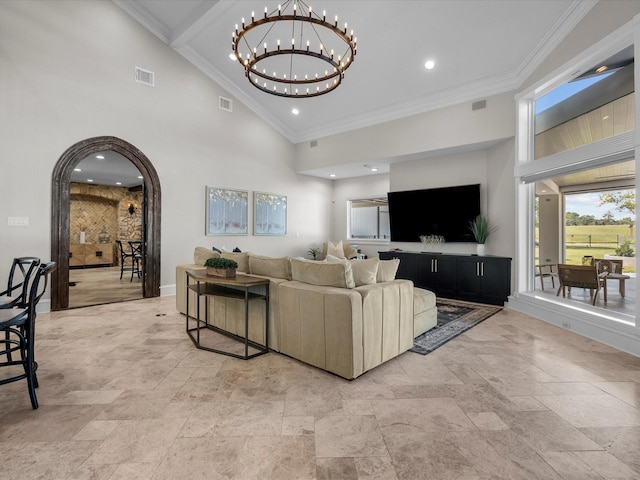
[238,287]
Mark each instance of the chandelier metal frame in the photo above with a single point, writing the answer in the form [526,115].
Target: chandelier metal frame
[292,86]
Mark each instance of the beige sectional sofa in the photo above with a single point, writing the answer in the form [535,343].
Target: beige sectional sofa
[345,317]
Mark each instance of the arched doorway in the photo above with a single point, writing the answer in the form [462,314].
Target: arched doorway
[60,240]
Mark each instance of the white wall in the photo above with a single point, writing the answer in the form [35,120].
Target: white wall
[67,74]
[440,129]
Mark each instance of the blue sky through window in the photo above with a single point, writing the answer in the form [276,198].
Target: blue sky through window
[567,90]
[589,204]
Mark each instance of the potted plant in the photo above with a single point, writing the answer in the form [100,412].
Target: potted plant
[313,253]
[221,267]
[481,230]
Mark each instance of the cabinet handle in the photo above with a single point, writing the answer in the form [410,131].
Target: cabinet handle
[434,267]
[477,269]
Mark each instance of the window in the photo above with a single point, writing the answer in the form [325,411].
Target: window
[369,219]
[577,145]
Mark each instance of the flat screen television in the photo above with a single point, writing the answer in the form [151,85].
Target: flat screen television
[444,211]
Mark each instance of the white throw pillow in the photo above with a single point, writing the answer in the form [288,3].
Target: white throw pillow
[335,249]
[331,274]
[365,271]
[387,270]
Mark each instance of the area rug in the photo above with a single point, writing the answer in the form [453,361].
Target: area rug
[454,318]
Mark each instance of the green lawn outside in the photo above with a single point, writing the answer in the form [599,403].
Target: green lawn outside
[604,240]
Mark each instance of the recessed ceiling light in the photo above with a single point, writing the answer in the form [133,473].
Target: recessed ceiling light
[605,117]
[100,157]
[77,169]
[90,180]
[140,177]
[429,64]
[332,175]
[374,169]
[118,183]
[232,57]
[601,69]
[295,111]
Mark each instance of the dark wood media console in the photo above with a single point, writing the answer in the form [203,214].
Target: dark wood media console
[482,279]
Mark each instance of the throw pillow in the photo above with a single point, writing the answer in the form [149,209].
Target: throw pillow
[270,267]
[242,259]
[331,274]
[387,270]
[202,254]
[335,249]
[365,271]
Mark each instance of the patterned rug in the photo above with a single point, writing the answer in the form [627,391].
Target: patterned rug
[454,318]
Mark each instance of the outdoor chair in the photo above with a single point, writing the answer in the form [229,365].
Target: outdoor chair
[17,290]
[581,276]
[19,327]
[547,271]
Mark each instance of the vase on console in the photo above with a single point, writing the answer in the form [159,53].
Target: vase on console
[480,249]
[82,236]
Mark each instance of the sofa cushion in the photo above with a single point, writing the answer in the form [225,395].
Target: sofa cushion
[331,274]
[387,270]
[423,300]
[242,259]
[335,249]
[270,266]
[202,254]
[365,271]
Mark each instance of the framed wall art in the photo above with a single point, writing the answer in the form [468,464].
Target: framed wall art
[269,214]
[227,211]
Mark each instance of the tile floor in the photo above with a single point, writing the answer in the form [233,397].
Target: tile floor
[125,395]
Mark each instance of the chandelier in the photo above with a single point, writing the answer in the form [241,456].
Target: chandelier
[311,61]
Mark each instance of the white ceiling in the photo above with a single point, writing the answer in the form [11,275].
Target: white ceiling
[481,48]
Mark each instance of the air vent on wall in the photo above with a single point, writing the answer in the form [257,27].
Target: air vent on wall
[144,76]
[313,143]
[225,104]
[479,104]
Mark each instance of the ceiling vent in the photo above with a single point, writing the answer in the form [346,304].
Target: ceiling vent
[145,77]
[225,104]
[480,104]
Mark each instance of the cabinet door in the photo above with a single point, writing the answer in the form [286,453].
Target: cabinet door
[438,274]
[470,278]
[496,280]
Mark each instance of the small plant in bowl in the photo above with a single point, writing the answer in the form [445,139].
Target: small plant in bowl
[313,253]
[221,267]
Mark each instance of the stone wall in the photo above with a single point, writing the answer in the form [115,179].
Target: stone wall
[97,207]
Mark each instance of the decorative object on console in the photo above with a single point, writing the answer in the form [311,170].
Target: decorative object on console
[431,242]
[309,42]
[481,230]
[104,236]
[270,214]
[221,267]
[227,212]
[132,209]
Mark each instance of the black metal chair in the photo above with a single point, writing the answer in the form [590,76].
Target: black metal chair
[123,257]
[17,290]
[136,257]
[19,326]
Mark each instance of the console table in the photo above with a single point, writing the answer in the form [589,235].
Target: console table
[91,254]
[482,279]
[239,287]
